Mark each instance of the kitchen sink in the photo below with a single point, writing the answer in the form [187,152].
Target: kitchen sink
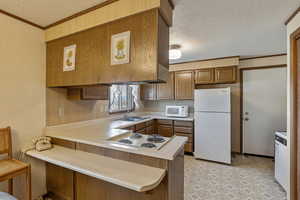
[133,119]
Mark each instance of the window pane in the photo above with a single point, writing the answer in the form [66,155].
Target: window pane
[121,98]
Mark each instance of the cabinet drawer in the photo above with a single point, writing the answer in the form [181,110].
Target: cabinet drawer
[140,126]
[165,130]
[165,122]
[190,137]
[184,130]
[188,148]
[149,123]
[184,123]
[141,131]
[150,130]
[132,128]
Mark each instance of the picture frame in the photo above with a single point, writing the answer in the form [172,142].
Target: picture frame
[120,48]
[69,61]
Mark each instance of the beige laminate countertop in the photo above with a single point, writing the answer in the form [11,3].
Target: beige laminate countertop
[126,174]
[97,132]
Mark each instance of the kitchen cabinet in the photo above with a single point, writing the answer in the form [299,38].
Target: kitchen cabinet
[165,91]
[149,59]
[225,74]
[149,92]
[88,93]
[186,129]
[216,75]
[165,128]
[204,76]
[60,182]
[184,85]
[162,91]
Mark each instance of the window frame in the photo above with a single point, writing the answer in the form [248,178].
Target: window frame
[120,111]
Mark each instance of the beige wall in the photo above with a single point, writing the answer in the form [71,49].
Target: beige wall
[291,27]
[22,86]
[60,110]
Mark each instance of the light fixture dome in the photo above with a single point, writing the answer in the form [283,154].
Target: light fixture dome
[175,52]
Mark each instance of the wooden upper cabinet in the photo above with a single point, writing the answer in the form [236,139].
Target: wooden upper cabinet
[149,92]
[149,43]
[204,76]
[165,91]
[89,93]
[184,85]
[225,74]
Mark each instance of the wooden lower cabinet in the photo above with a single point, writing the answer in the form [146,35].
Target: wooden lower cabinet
[60,182]
[186,129]
[165,130]
[89,188]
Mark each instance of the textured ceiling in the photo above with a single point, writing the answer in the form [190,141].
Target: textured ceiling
[218,28]
[45,12]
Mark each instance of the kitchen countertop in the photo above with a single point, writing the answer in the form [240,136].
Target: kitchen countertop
[126,174]
[97,132]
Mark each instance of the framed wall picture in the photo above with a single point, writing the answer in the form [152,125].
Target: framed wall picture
[69,58]
[120,48]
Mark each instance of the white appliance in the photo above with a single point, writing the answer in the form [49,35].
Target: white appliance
[281,159]
[177,111]
[213,125]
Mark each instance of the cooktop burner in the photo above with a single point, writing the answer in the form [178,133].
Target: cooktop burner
[148,145]
[125,141]
[135,136]
[156,139]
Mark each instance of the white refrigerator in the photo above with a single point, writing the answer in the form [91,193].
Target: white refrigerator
[213,124]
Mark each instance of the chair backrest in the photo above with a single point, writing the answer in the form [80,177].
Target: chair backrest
[5,142]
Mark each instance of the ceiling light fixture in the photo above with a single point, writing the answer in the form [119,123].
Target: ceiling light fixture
[175,52]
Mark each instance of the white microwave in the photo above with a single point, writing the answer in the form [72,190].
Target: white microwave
[177,111]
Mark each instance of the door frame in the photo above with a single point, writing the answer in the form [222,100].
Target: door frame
[242,70]
[294,137]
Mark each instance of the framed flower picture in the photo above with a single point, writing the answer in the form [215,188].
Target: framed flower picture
[69,58]
[120,48]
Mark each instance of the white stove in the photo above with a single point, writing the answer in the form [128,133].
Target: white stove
[137,140]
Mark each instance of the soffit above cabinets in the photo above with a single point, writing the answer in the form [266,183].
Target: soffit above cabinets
[46,12]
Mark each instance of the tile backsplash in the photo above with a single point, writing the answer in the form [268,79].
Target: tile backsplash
[159,106]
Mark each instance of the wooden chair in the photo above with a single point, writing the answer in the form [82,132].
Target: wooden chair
[9,167]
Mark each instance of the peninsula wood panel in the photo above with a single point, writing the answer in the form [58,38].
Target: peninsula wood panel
[165,91]
[204,76]
[93,65]
[184,85]
[88,188]
[60,182]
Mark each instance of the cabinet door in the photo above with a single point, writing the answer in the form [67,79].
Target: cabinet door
[184,85]
[88,93]
[149,92]
[95,93]
[60,182]
[165,91]
[166,131]
[204,76]
[225,74]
